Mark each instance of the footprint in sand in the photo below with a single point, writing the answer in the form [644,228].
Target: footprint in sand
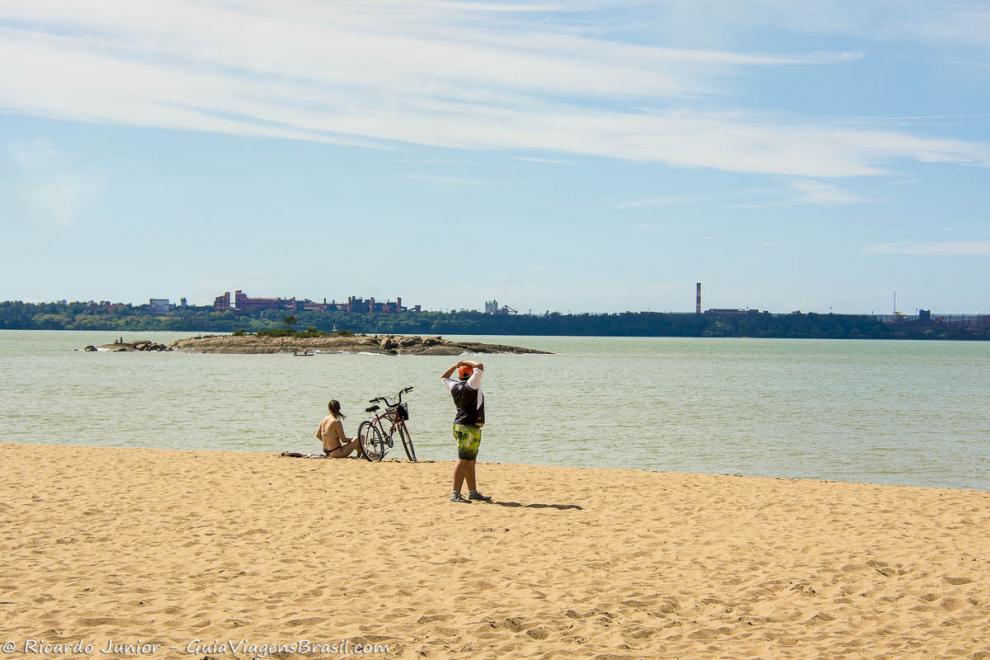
[641,633]
[820,617]
[299,623]
[949,604]
[430,618]
[538,632]
[705,635]
[104,621]
[514,624]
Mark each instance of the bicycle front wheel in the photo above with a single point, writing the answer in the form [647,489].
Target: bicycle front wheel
[372,442]
[406,441]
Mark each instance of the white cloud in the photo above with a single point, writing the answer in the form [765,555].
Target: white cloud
[934,248]
[48,188]
[443,74]
[809,191]
[816,192]
[432,161]
[544,161]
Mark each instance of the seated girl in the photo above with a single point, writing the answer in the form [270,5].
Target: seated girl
[331,434]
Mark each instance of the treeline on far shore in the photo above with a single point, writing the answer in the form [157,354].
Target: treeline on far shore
[83,316]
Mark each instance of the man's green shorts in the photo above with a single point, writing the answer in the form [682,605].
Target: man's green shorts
[468,441]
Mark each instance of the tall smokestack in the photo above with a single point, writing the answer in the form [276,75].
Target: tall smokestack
[697,299]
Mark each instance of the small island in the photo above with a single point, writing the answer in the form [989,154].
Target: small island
[121,346]
[305,344]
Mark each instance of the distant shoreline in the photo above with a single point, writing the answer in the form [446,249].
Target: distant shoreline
[963,337]
[721,323]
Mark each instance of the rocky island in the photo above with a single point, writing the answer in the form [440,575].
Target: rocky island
[338,343]
[121,346]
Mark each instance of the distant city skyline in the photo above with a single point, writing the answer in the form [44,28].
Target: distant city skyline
[583,157]
[395,304]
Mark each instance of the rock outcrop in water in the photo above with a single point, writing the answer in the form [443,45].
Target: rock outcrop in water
[129,347]
[381,344]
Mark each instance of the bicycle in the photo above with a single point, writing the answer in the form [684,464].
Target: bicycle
[374,439]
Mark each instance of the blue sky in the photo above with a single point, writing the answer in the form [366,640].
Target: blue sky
[581,156]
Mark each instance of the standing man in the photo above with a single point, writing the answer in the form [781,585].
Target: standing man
[470,403]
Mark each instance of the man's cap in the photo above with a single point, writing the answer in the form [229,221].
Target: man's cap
[464,371]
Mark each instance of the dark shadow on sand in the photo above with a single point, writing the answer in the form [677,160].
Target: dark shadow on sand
[559,507]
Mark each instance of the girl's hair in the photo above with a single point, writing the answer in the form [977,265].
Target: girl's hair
[334,407]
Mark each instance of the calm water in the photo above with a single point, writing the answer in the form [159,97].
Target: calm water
[877,411]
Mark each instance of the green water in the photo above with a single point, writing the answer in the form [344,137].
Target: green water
[876,411]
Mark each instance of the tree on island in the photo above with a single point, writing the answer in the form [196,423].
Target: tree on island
[290,322]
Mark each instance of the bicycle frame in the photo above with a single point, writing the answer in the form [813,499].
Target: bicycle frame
[387,423]
[390,416]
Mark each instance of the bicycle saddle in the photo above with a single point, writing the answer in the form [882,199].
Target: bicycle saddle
[372,409]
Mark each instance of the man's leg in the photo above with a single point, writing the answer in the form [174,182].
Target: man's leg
[469,475]
[459,472]
[463,438]
[473,493]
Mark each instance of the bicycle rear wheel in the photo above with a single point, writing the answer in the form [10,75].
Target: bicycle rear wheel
[372,443]
[406,441]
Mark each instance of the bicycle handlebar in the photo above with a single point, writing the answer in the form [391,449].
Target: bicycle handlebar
[398,399]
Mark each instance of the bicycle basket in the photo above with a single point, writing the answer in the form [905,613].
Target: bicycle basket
[402,411]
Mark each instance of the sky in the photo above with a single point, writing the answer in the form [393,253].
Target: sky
[577,156]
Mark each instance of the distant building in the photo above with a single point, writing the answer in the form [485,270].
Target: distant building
[159,306]
[371,306]
[358,305]
[964,320]
[926,316]
[222,303]
[492,307]
[725,312]
[243,303]
[246,304]
[310,306]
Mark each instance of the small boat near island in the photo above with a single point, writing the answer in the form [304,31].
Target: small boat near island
[306,353]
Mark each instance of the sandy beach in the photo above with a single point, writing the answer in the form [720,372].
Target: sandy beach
[164,548]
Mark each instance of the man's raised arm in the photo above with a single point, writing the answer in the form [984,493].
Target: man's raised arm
[474,382]
[445,375]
